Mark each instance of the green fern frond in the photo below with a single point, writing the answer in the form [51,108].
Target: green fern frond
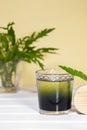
[12,48]
[74,72]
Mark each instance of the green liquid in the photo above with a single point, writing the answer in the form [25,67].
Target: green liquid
[55,96]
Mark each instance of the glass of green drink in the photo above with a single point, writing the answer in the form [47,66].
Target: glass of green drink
[54,91]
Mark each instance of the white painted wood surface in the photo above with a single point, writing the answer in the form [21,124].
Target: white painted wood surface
[19,111]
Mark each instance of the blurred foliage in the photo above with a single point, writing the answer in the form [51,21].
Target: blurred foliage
[13,49]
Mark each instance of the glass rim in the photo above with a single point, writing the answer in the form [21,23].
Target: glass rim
[50,74]
[45,74]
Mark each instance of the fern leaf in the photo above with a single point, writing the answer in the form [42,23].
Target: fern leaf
[74,72]
[44,33]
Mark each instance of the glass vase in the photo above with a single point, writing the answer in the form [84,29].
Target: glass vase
[8,77]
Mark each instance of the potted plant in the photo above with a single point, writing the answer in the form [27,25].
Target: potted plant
[13,50]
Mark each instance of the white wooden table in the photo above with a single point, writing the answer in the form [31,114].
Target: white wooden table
[19,111]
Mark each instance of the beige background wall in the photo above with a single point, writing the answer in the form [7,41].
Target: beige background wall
[69,17]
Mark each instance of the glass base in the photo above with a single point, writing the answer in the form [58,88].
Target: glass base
[54,112]
[8,90]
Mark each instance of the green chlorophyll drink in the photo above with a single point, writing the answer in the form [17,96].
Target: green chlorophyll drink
[55,92]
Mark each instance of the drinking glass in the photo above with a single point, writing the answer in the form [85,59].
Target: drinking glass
[54,91]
